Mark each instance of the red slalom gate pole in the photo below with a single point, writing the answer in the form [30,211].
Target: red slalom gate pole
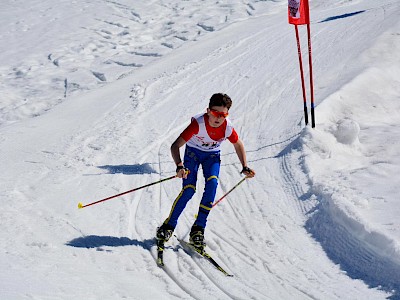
[311,77]
[220,199]
[80,205]
[302,74]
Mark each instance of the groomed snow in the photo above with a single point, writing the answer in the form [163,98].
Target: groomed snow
[94,93]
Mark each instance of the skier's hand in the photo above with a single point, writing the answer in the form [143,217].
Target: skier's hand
[182,172]
[248,172]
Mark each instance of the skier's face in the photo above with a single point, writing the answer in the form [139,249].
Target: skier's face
[217,115]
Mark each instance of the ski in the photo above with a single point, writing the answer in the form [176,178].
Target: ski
[205,255]
[160,253]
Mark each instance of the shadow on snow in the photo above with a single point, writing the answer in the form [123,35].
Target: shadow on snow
[342,16]
[129,169]
[95,241]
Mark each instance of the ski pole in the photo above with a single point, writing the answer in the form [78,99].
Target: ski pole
[80,205]
[302,75]
[311,77]
[237,184]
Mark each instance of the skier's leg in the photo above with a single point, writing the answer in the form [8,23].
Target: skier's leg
[191,162]
[211,167]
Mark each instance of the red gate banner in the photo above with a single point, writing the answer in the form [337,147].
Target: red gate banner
[298,12]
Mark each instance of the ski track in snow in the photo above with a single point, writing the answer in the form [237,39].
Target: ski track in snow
[270,233]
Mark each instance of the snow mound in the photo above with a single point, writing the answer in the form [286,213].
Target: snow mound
[350,159]
[347,131]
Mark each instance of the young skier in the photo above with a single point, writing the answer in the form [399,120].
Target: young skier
[203,138]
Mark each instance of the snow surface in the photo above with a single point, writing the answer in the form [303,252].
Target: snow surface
[94,92]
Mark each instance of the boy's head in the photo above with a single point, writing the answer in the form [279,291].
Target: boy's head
[217,110]
[220,99]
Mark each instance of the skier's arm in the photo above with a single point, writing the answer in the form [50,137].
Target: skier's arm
[241,153]
[193,128]
[176,156]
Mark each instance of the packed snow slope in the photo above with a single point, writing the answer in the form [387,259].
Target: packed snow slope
[94,93]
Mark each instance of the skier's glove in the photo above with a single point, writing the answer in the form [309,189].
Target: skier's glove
[248,172]
[180,168]
[184,175]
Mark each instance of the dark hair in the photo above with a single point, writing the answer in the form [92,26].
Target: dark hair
[220,99]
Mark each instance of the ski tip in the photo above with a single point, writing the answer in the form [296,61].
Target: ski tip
[80,205]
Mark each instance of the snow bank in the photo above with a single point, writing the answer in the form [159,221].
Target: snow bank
[351,159]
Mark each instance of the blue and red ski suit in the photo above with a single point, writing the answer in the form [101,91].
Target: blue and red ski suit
[202,148]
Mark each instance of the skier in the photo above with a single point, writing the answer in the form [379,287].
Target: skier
[203,138]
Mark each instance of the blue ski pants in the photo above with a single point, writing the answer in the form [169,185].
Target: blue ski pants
[210,162]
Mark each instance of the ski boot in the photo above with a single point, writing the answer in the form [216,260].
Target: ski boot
[196,238]
[164,233]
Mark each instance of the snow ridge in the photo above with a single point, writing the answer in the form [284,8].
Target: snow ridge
[342,158]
